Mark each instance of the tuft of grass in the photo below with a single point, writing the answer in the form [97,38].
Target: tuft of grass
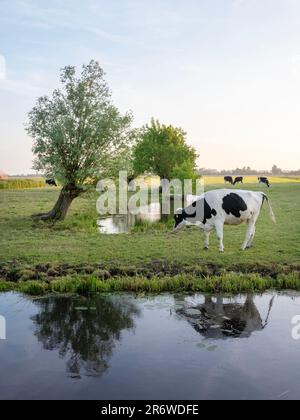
[144,226]
[289,281]
[6,286]
[33,288]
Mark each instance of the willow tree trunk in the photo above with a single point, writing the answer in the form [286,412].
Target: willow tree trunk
[61,207]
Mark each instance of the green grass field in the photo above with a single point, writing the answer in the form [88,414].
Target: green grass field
[31,251]
[21,183]
[252,179]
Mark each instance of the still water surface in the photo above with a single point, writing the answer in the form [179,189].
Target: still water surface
[162,347]
[118,224]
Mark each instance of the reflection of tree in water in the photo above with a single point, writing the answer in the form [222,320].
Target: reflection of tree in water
[84,331]
[219,319]
[124,223]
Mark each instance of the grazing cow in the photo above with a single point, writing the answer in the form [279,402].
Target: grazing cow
[51,182]
[264,180]
[228,179]
[217,208]
[239,179]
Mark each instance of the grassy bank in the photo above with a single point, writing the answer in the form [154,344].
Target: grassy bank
[75,249]
[227,283]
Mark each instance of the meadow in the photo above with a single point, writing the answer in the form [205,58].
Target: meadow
[252,179]
[73,256]
[21,183]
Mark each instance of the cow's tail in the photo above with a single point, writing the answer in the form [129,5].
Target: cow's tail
[272,215]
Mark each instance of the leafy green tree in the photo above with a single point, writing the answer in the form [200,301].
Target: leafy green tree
[184,171]
[123,161]
[79,136]
[162,150]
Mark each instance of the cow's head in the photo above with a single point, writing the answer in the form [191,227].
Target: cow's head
[179,220]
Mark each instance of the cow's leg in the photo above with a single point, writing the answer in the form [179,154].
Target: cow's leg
[249,244]
[206,242]
[249,234]
[220,234]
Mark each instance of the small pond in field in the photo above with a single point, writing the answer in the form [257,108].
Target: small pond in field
[171,346]
[117,224]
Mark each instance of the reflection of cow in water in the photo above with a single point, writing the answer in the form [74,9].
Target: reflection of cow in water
[219,320]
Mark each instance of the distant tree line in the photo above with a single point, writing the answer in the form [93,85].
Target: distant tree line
[246,170]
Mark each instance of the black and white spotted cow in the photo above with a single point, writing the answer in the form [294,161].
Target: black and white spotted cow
[217,208]
[238,180]
[264,180]
[228,179]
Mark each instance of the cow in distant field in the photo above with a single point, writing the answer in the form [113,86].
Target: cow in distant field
[214,209]
[51,182]
[239,180]
[264,180]
[228,179]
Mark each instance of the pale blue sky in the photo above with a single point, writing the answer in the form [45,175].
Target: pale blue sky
[227,71]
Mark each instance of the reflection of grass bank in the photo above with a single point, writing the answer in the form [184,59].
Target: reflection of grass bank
[227,283]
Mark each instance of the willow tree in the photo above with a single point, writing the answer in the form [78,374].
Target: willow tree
[77,134]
